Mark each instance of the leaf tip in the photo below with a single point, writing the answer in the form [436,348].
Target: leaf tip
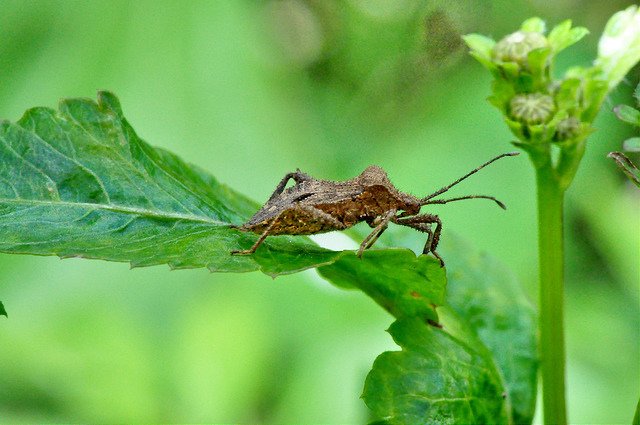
[110,101]
[32,113]
[271,274]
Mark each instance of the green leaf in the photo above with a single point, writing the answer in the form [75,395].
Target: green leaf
[486,313]
[502,93]
[627,114]
[490,300]
[538,64]
[594,93]
[518,129]
[566,97]
[563,36]
[487,63]
[631,145]
[558,34]
[534,24]
[401,282]
[79,182]
[576,34]
[510,70]
[626,166]
[435,379]
[480,45]
[636,94]
[3,312]
[525,82]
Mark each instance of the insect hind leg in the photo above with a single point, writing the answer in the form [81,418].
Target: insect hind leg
[320,222]
[255,246]
[298,176]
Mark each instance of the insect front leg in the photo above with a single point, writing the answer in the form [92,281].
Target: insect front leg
[298,176]
[422,223]
[381,226]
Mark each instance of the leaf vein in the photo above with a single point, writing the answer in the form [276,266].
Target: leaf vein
[52,188]
[74,159]
[119,209]
[145,176]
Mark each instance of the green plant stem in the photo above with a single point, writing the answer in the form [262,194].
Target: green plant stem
[551,259]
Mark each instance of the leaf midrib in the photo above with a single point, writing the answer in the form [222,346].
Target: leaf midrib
[120,209]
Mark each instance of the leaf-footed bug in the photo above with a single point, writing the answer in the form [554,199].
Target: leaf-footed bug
[316,206]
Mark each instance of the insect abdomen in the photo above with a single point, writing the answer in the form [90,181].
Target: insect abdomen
[296,221]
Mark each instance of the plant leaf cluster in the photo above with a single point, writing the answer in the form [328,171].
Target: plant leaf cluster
[552,117]
[630,115]
[543,111]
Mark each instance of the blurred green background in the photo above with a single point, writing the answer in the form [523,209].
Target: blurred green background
[249,91]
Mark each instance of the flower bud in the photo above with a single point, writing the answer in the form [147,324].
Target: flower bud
[516,47]
[534,108]
[568,128]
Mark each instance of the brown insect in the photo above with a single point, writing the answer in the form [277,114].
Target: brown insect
[316,206]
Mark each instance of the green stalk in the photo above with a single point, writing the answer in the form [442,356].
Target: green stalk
[551,259]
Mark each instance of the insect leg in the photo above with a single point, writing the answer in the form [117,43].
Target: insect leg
[377,231]
[426,228]
[261,239]
[317,221]
[298,176]
[421,222]
[316,216]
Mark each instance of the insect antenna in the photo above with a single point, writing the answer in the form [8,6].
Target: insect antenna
[429,199]
[446,201]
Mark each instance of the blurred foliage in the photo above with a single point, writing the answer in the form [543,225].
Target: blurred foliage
[631,146]
[250,91]
[488,297]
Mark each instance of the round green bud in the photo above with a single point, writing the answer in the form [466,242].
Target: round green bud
[516,46]
[534,108]
[568,128]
